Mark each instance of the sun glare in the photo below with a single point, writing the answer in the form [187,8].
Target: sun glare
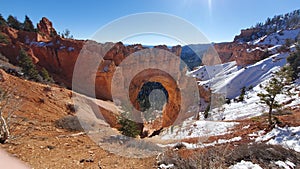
[210,6]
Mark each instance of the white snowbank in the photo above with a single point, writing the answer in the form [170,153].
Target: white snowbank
[287,137]
[194,129]
[245,165]
[164,166]
[202,145]
[286,165]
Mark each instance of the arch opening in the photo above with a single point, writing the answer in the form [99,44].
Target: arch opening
[152,98]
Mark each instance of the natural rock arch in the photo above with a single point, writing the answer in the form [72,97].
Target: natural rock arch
[172,108]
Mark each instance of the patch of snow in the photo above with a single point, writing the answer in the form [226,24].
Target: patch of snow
[70,49]
[245,165]
[287,137]
[256,134]
[246,127]
[252,50]
[194,129]
[62,47]
[202,145]
[41,44]
[286,165]
[164,166]
[223,141]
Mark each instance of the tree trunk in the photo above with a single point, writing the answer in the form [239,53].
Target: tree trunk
[4,131]
[270,117]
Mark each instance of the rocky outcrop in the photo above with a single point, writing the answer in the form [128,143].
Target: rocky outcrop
[45,27]
[246,35]
[243,53]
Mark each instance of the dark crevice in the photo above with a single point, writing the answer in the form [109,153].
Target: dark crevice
[156,132]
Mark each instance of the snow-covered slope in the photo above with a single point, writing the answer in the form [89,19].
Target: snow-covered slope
[277,38]
[230,78]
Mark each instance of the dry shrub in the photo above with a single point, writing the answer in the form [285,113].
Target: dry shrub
[220,157]
[262,154]
[212,158]
[70,123]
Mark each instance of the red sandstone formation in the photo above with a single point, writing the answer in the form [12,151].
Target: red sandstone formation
[59,56]
[246,33]
[238,52]
[45,27]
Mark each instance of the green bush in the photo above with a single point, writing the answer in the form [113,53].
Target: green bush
[128,127]
[3,38]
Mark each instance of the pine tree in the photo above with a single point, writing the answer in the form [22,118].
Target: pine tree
[206,112]
[2,21]
[242,95]
[45,75]
[277,85]
[294,61]
[27,25]
[28,67]
[13,22]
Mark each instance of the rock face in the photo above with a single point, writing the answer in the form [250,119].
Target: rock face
[45,27]
[246,34]
[238,52]
[59,57]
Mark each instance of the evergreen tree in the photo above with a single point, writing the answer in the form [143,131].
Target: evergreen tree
[2,21]
[28,67]
[206,112]
[242,95]
[294,61]
[13,22]
[45,75]
[277,85]
[27,25]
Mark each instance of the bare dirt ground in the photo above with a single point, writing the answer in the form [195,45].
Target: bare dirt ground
[40,144]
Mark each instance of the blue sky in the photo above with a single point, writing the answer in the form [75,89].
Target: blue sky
[218,20]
